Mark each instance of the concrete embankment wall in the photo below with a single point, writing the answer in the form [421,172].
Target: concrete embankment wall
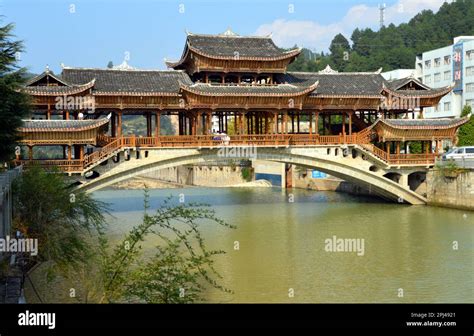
[210,176]
[451,190]
[302,178]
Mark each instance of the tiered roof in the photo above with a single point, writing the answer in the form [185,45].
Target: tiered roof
[128,82]
[230,46]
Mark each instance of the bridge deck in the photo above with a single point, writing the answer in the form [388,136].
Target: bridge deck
[114,145]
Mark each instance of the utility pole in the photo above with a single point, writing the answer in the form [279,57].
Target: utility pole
[382,14]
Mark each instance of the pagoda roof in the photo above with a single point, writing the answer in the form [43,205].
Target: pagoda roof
[206,89]
[46,73]
[361,84]
[55,90]
[129,82]
[397,84]
[36,125]
[439,123]
[425,93]
[230,46]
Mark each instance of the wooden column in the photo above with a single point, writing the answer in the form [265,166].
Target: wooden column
[30,153]
[398,147]
[344,124]
[48,112]
[298,122]
[387,146]
[208,123]
[69,152]
[350,123]
[311,122]
[148,124]
[199,123]
[119,123]
[81,152]
[275,122]
[245,123]
[157,123]
[316,123]
[428,147]
[285,123]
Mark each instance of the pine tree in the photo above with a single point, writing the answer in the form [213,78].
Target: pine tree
[14,105]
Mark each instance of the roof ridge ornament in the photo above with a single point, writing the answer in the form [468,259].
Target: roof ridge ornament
[229,32]
[124,66]
[379,71]
[328,70]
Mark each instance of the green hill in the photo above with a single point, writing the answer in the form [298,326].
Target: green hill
[393,47]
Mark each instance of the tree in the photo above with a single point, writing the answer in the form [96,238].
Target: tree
[45,208]
[110,65]
[340,50]
[179,269]
[466,131]
[14,105]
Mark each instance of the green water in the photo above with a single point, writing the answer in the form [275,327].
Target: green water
[282,245]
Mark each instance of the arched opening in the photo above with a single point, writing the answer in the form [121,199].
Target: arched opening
[393,176]
[417,182]
[355,154]
[374,168]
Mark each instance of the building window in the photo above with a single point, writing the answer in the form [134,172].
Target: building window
[470,54]
[428,64]
[470,87]
[470,71]
[437,62]
[447,106]
[447,60]
[437,77]
[447,75]
[427,79]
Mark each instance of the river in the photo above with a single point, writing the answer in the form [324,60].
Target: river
[409,252]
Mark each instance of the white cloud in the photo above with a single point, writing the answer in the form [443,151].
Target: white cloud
[313,35]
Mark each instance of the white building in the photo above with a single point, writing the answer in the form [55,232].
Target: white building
[445,66]
[398,74]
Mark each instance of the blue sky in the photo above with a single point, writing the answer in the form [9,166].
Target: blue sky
[88,33]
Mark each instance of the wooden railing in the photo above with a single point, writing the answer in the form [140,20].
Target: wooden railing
[63,165]
[114,145]
[103,152]
[411,159]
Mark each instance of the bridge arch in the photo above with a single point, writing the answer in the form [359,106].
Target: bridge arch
[349,169]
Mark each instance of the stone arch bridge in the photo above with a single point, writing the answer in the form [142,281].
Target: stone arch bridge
[356,163]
